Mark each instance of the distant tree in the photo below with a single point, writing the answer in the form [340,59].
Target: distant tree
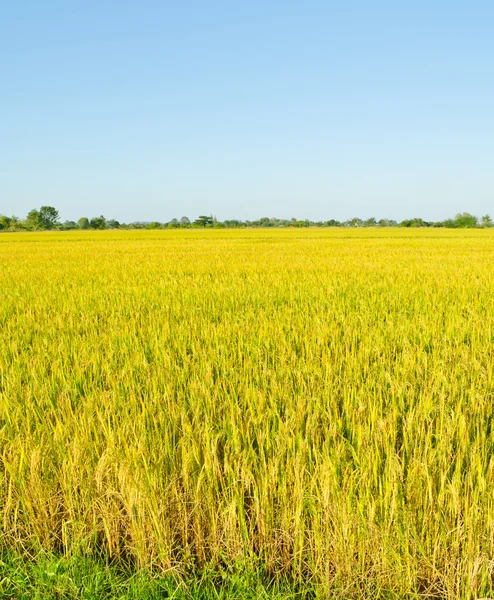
[98,222]
[5,222]
[83,223]
[45,218]
[486,221]
[173,224]
[416,222]
[370,222]
[466,220]
[203,221]
[49,216]
[112,224]
[138,225]
[185,221]
[233,223]
[69,225]
[33,220]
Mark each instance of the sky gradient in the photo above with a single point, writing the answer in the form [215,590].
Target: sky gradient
[152,110]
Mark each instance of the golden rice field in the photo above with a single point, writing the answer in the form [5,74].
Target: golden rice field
[314,405]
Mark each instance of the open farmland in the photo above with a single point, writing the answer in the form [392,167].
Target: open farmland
[308,405]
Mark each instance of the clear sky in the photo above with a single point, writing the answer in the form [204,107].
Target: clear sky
[154,109]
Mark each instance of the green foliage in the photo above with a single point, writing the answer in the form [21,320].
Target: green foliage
[486,221]
[417,222]
[33,220]
[5,222]
[69,225]
[203,221]
[49,217]
[50,577]
[98,222]
[45,218]
[387,223]
[465,220]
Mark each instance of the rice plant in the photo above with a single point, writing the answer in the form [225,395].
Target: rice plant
[307,405]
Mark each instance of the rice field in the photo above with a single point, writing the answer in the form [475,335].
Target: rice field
[314,406]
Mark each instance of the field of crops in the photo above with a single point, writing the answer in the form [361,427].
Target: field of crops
[314,405]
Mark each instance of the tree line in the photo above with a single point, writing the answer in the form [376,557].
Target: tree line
[48,218]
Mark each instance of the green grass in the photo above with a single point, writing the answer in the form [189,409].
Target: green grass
[48,577]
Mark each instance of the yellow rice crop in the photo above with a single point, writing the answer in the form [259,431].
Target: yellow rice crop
[317,404]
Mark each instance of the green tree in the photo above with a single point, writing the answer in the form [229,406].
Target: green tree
[33,220]
[69,225]
[465,220]
[486,221]
[417,222]
[98,222]
[5,222]
[203,220]
[83,223]
[44,218]
[49,217]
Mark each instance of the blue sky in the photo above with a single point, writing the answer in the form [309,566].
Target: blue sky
[317,109]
